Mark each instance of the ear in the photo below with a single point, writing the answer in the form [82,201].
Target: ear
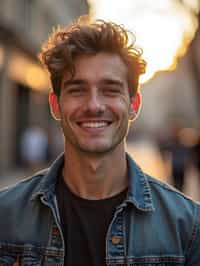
[54,105]
[135,106]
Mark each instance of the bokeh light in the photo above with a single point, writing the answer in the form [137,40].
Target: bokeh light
[1,55]
[28,73]
[163,29]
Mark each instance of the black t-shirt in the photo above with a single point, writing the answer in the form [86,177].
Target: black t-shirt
[84,226]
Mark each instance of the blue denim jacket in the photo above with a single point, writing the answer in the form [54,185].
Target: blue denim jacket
[154,226]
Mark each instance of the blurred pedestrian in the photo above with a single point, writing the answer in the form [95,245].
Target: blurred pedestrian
[176,153]
[94,205]
[33,148]
[179,157]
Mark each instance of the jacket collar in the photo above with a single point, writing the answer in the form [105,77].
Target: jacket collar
[139,192]
[47,185]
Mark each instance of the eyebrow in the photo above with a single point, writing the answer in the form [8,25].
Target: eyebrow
[73,82]
[112,82]
[108,81]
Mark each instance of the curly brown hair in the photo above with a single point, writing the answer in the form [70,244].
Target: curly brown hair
[86,37]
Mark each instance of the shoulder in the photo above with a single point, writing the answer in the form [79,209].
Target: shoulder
[42,182]
[19,211]
[168,193]
[182,212]
[174,205]
[162,187]
[22,191]
[158,194]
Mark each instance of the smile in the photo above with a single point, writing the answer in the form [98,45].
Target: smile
[99,124]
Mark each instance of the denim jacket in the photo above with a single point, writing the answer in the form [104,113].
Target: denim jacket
[154,226]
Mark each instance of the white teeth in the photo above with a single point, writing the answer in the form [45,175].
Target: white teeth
[94,124]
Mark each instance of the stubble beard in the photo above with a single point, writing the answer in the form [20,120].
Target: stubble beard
[72,141]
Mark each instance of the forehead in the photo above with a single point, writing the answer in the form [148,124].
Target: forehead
[94,68]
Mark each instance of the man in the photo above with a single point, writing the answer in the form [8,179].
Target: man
[94,205]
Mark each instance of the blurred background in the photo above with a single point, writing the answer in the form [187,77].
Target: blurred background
[164,140]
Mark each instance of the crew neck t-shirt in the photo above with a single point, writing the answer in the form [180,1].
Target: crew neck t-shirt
[84,225]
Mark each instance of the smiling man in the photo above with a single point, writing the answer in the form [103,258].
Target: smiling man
[94,205]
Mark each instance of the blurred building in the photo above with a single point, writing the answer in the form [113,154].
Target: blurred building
[173,95]
[24,25]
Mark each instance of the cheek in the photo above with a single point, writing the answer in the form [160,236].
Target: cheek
[70,112]
[64,113]
[121,106]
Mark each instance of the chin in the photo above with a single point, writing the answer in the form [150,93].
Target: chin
[97,149]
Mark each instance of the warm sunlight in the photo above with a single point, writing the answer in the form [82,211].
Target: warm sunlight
[28,73]
[1,56]
[163,28]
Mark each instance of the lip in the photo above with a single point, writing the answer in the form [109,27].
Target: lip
[85,121]
[96,129]
[94,120]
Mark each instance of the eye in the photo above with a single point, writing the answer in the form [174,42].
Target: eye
[76,91]
[113,91]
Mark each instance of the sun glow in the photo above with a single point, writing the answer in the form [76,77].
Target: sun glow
[1,56]
[163,29]
[23,70]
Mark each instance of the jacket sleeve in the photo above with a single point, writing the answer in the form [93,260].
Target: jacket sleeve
[193,251]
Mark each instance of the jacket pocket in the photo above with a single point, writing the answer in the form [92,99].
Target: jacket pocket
[30,261]
[147,261]
[20,255]
[29,255]
[20,261]
[145,264]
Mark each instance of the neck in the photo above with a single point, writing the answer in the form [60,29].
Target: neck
[95,177]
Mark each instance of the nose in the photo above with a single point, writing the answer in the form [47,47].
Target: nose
[95,104]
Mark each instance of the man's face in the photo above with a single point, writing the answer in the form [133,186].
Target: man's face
[94,106]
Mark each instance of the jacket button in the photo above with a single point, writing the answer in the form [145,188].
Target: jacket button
[116,240]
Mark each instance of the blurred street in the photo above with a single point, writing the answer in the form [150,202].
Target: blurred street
[169,117]
[146,155]
[84,86]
